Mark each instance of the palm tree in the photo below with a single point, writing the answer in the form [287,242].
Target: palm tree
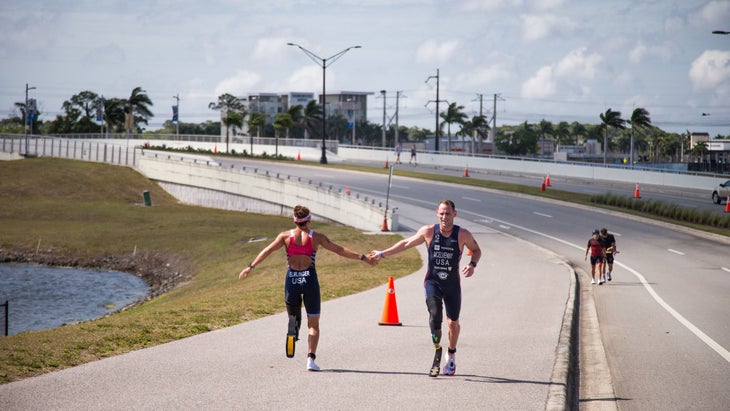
[610,119]
[312,118]
[453,114]
[297,117]
[562,132]
[256,121]
[228,103]
[577,129]
[546,128]
[476,128]
[639,118]
[137,105]
[282,121]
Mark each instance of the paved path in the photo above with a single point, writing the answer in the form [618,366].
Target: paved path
[512,315]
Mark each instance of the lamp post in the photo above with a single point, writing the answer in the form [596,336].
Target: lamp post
[324,62]
[25,125]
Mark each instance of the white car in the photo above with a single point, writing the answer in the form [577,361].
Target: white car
[721,192]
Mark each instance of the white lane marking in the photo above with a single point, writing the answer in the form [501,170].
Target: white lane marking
[675,251]
[506,227]
[472,199]
[400,186]
[543,215]
[725,269]
[691,327]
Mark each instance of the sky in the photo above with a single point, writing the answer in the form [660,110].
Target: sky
[558,60]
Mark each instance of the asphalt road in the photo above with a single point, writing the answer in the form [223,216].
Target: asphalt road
[663,319]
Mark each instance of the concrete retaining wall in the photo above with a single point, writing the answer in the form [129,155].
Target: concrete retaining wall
[241,189]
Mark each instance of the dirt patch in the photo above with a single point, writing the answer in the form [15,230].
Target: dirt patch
[162,271]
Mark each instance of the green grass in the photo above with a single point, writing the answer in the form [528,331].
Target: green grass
[87,214]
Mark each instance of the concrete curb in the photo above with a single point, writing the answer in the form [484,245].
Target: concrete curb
[563,391]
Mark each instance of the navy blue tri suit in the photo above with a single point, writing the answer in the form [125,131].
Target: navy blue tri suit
[302,285]
[442,278]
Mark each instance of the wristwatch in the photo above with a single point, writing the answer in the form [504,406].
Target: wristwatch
[473,264]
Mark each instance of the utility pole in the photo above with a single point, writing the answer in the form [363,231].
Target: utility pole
[27,110]
[176,114]
[436,146]
[384,125]
[397,99]
[493,132]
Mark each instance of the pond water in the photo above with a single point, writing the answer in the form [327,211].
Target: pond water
[41,297]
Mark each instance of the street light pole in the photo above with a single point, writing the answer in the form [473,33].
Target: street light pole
[25,124]
[324,62]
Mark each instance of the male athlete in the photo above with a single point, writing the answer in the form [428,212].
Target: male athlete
[442,284]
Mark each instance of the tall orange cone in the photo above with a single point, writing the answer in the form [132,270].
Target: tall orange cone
[347,190]
[299,155]
[390,309]
[542,186]
[727,204]
[547,180]
[386,163]
[466,171]
[636,191]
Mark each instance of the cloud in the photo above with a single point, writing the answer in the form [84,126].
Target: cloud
[711,71]
[541,85]
[577,64]
[112,53]
[238,85]
[715,13]
[487,5]
[641,50]
[486,76]
[536,27]
[267,49]
[431,51]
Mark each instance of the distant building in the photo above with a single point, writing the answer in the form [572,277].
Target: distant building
[351,105]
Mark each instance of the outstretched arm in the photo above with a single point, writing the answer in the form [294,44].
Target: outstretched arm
[275,245]
[404,244]
[343,251]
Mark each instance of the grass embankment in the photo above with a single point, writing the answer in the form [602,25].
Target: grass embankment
[91,215]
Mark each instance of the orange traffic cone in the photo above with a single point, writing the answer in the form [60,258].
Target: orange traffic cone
[636,191]
[547,180]
[466,171]
[727,204]
[542,186]
[215,149]
[386,163]
[347,190]
[299,155]
[384,227]
[390,309]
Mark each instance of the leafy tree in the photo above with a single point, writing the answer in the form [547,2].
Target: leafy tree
[610,119]
[228,104]
[521,140]
[453,114]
